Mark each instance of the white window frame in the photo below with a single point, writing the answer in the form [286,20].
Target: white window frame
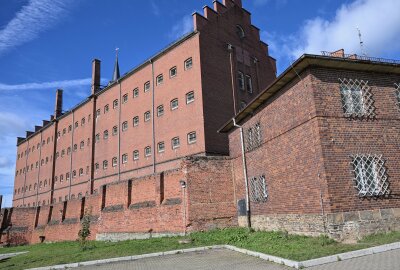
[190,137]
[124,158]
[147,151]
[135,155]
[114,162]
[161,147]
[170,72]
[172,104]
[147,116]
[175,143]
[188,63]
[135,121]
[160,110]
[146,86]
[190,97]
[136,92]
[160,79]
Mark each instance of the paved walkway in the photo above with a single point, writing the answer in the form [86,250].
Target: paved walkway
[231,260]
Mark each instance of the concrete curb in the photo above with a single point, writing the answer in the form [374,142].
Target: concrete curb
[9,255]
[270,258]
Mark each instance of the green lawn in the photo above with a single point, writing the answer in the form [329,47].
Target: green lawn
[280,244]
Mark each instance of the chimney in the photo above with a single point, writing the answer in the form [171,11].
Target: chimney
[1,200]
[58,107]
[95,75]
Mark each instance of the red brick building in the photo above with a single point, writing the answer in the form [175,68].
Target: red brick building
[313,151]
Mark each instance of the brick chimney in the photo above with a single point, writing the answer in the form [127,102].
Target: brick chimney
[95,75]
[59,101]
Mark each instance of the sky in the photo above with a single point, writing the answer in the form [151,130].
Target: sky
[49,44]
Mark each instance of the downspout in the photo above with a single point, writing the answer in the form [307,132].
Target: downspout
[248,214]
[119,132]
[152,117]
[72,152]
[230,49]
[26,172]
[40,166]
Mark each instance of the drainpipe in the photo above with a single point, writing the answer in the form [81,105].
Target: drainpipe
[40,166]
[152,117]
[119,131]
[246,184]
[233,80]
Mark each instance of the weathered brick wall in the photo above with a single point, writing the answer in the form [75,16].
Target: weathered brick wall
[210,199]
[343,136]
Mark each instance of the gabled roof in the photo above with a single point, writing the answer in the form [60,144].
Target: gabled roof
[352,62]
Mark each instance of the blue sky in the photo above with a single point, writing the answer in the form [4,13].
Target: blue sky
[49,44]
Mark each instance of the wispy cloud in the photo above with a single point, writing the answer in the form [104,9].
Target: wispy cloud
[45,85]
[34,18]
[184,26]
[277,3]
[154,8]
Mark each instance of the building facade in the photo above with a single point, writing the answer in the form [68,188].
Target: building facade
[314,151]
[145,121]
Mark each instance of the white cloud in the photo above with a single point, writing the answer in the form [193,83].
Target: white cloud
[379,22]
[34,18]
[45,85]
[183,27]
[277,3]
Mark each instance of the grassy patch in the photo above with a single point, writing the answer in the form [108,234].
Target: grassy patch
[280,244]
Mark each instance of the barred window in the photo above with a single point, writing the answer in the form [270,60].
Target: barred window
[115,104]
[253,137]
[240,79]
[147,86]
[135,92]
[160,110]
[147,151]
[161,147]
[249,84]
[124,158]
[135,121]
[125,98]
[188,63]
[192,137]
[356,98]
[114,162]
[147,116]
[174,104]
[160,79]
[370,175]
[172,72]
[175,143]
[105,164]
[125,126]
[258,189]
[136,155]
[189,97]
[397,86]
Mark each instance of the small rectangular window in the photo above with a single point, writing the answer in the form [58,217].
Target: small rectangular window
[136,155]
[160,110]
[147,151]
[114,162]
[189,97]
[240,80]
[105,164]
[106,108]
[161,147]
[105,134]
[174,104]
[135,121]
[147,86]
[192,137]
[124,158]
[115,104]
[83,121]
[188,63]
[249,84]
[125,126]
[125,98]
[147,116]
[115,130]
[175,143]
[173,72]
[135,92]
[160,79]
[356,98]
[258,189]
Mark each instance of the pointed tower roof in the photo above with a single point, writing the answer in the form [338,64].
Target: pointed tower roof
[116,67]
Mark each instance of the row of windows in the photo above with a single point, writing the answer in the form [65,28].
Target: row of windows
[146,87]
[31,167]
[33,148]
[76,125]
[75,148]
[29,188]
[60,199]
[175,143]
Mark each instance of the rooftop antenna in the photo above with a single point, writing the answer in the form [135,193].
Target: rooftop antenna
[361,42]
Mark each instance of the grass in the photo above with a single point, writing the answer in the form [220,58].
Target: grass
[280,244]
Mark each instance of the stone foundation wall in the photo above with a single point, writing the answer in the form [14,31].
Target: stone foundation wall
[343,226]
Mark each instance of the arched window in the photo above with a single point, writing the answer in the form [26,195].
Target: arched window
[114,162]
[105,164]
[240,32]
[80,172]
